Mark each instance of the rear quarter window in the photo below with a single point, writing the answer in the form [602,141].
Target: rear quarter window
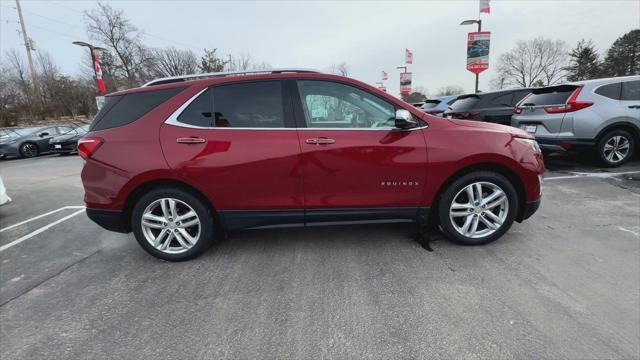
[125,109]
[612,91]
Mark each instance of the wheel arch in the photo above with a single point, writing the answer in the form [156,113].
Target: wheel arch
[501,169]
[630,127]
[147,186]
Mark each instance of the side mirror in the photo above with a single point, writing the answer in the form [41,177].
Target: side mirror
[404,120]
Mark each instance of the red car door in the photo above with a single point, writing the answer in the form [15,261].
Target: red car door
[353,156]
[238,145]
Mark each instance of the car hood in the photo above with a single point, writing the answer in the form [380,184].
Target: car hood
[492,127]
[65,137]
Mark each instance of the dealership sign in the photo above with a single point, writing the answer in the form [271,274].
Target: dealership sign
[478,51]
[405,83]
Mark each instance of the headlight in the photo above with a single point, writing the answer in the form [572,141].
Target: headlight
[529,142]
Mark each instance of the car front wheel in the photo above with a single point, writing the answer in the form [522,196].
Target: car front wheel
[615,148]
[478,208]
[172,224]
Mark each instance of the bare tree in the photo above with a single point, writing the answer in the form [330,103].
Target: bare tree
[450,90]
[536,62]
[339,69]
[110,27]
[173,62]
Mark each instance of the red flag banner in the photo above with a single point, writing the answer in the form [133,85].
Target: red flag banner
[99,82]
[385,76]
[405,83]
[478,51]
[408,56]
[485,7]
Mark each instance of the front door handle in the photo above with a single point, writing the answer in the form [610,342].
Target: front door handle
[320,141]
[634,106]
[190,140]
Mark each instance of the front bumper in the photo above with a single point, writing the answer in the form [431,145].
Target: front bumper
[109,219]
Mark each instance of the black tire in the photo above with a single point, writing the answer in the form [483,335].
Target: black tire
[203,211]
[603,154]
[65,153]
[447,198]
[29,150]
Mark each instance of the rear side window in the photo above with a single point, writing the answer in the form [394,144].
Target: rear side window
[612,91]
[430,104]
[465,103]
[630,90]
[199,112]
[549,96]
[253,105]
[125,109]
[519,95]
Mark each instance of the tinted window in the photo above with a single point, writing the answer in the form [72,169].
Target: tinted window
[519,95]
[255,105]
[199,112]
[630,90]
[49,131]
[125,109]
[64,129]
[464,103]
[329,104]
[502,100]
[612,91]
[549,96]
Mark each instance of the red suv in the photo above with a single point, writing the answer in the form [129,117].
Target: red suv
[181,160]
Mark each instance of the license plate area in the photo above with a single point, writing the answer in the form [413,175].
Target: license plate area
[529,128]
[57,146]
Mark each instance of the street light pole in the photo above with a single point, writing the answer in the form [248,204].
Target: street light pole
[28,45]
[479,22]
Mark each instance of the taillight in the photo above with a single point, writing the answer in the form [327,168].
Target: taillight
[517,110]
[88,146]
[571,105]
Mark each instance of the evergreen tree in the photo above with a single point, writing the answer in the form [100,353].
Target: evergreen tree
[623,57]
[584,62]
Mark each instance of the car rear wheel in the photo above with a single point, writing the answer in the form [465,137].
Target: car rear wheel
[478,208]
[172,224]
[615,148]
[29,150]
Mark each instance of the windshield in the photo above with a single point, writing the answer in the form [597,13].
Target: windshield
[464,103]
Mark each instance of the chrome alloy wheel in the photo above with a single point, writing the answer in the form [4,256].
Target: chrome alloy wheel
[479,210]
[29,150]
[616,149]
[170,225]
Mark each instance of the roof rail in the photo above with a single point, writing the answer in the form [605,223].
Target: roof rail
[172,79]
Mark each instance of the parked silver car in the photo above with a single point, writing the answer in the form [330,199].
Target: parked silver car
[601,114]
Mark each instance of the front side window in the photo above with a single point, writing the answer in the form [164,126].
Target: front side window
[329,104]
[630,90]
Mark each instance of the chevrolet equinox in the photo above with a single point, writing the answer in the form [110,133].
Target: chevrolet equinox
[182,160]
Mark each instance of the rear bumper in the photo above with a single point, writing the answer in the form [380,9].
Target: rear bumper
[64,147]
[109,219]
[565,144]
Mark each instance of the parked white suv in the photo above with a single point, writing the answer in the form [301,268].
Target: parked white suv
[601,114]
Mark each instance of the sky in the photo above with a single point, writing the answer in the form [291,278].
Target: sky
[370,36]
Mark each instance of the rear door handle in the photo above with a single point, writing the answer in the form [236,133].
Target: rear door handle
[320,141]
[190,140]
[634,106]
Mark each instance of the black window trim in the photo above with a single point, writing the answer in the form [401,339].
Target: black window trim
[289,123]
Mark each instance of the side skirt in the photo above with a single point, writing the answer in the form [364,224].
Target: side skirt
[235,220]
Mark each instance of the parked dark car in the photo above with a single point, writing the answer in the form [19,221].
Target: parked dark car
[67,143]
[29,142]
[494,107]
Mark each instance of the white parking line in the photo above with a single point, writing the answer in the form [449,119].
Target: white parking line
[40,216]
[38,231]
[591,175]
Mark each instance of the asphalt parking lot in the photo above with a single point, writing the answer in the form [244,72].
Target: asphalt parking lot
[565,284]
